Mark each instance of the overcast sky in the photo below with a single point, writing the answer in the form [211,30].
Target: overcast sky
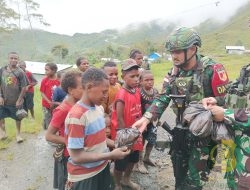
[87,16]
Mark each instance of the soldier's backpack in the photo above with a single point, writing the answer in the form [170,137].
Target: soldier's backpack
[238,93]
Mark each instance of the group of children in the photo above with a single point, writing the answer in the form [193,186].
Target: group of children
[130,102]
[95,107]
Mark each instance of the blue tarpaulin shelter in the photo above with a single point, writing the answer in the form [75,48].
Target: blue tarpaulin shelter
[154,56]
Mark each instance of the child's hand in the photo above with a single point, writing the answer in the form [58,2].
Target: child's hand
[120,153]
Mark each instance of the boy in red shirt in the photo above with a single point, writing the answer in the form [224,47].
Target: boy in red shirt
[46,89]
[126,110]
[71,84]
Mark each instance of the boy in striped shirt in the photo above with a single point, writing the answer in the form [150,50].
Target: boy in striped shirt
[86,136]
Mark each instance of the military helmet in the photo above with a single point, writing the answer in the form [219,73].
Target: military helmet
[183,38]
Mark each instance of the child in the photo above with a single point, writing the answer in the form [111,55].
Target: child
[126,110]
[71,84]
[137,56]
[58,93]
[82,64]
[148,93]
[12,90]
[111,70]
[46,89]
[107,125]
[28,103]
[85,133]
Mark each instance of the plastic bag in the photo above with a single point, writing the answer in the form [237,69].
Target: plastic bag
[221,131]
[58,154]
[199,119]
[126,137]
[21,113]
[240,115]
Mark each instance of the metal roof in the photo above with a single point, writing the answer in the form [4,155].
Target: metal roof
[39,67]
[236,48]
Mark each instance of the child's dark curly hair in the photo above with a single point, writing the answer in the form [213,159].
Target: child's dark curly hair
[69,79]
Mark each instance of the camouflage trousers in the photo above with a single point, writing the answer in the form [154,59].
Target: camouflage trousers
[238,170]
[197,168]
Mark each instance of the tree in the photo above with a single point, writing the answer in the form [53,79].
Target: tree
[7,17]
[60,51]
[110,51]
[31,8]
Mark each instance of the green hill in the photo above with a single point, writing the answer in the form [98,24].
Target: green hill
[234,32]
[36,45]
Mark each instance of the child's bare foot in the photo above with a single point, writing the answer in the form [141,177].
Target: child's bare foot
[150,162]
[130,184]
[139,167]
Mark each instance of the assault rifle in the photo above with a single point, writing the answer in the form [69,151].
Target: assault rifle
[179,144]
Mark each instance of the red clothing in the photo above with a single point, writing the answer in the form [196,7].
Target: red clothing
[58,118]
[30,78]
[132,112]
[46,87]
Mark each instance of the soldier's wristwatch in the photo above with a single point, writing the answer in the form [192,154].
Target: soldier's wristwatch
[148,115]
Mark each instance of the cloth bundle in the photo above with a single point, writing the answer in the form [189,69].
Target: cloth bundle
[58,154]
[221,131]
[21,113]
[199,119]
[126,137]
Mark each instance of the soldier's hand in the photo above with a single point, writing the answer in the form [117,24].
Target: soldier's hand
[207,102]
[141,124]
[120,153]
[217,112]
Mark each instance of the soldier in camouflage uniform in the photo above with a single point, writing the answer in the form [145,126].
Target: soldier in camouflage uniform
[238,116]
[196,77]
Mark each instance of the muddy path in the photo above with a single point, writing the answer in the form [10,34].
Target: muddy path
[29,166]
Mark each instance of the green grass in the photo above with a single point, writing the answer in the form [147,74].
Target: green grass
[231,63]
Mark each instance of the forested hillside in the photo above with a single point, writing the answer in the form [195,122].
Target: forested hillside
[40,45]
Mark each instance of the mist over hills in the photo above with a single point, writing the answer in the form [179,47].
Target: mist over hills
[37,44]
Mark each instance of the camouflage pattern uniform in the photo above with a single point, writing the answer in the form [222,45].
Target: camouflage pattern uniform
[238,97]
[238,164]
[197,86]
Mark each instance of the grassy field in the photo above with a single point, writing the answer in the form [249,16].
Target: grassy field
[232,64]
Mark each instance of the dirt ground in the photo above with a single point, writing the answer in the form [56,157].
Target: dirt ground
[29,166]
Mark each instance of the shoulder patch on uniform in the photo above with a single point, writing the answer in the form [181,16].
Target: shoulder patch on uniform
[219,80]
